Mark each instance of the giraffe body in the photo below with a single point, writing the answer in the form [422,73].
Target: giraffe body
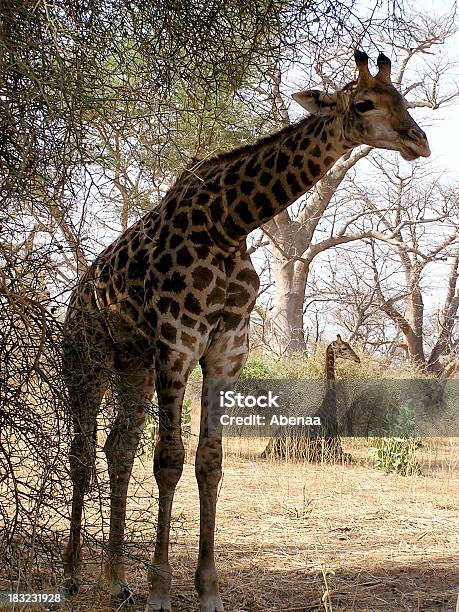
[177,289]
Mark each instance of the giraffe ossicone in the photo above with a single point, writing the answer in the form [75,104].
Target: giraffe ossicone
[176,289]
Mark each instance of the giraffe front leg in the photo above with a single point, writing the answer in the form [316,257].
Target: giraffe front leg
[223,366]
[168,466]
[208,474]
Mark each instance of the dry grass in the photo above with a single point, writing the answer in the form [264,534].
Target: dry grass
[299,537]
[290,536]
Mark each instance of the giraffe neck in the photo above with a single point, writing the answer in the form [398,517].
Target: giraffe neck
[329,363]
[254,184]
[330,382]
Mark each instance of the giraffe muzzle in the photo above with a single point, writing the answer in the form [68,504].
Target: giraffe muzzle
[415,144]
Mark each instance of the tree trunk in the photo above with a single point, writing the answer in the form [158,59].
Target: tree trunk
[286,317]
[415,317]
[444,343]
[415,346]
[290,239]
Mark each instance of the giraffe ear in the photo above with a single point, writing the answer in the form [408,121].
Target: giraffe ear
[315,101]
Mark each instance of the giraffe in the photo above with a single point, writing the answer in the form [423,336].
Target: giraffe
[315,444]
[177,289]
[328,447]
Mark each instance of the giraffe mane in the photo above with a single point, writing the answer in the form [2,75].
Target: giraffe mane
[248,148]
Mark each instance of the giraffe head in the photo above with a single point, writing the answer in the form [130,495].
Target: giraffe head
[343,350]
[371,110]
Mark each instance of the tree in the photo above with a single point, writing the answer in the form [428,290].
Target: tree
[395,277]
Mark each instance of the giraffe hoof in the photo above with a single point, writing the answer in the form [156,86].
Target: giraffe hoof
[156,604]
[211,604]
[71,587]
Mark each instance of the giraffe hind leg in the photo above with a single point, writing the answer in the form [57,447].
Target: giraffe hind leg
[86,391]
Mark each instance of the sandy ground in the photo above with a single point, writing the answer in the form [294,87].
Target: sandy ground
[300,537]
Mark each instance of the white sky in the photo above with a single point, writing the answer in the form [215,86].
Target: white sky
[443,132]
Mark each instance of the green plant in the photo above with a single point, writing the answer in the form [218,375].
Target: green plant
[186,417]
[397,453]
[257,367]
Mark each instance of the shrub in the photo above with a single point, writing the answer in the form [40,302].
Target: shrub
[396,455]
[259,367]
[398,452]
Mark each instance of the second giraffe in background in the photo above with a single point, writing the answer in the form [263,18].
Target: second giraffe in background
[323,443]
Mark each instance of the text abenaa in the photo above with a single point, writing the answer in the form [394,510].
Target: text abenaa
[279,420]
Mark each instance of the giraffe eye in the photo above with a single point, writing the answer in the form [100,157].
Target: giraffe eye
[363,107]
